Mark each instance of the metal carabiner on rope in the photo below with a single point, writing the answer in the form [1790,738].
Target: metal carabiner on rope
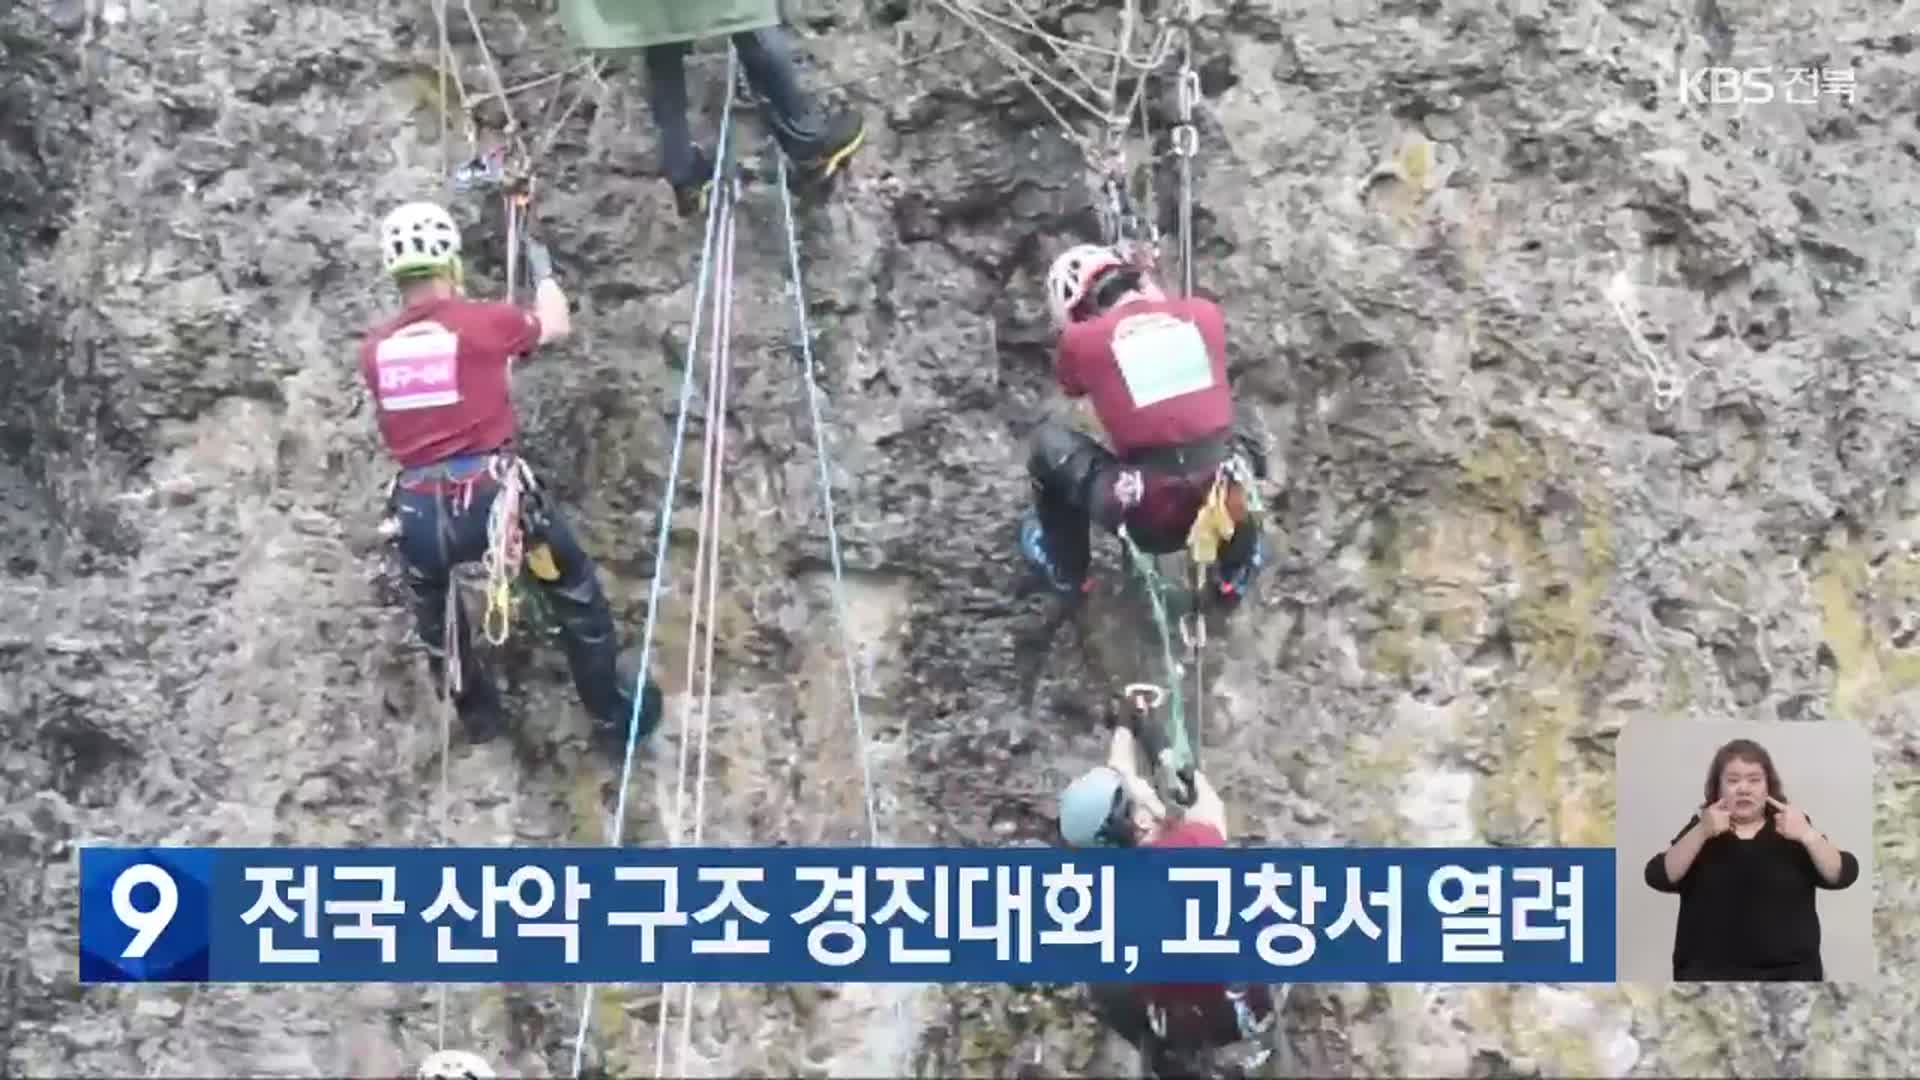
[1144,697]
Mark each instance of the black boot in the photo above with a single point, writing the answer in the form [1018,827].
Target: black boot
[817,161]
[692,191]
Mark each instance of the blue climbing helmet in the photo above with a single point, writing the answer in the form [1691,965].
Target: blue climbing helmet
[1090,807]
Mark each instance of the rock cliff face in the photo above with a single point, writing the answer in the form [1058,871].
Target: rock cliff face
[1503,529]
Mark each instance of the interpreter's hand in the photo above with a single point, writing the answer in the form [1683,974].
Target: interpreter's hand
[1716,818]
[1788,821]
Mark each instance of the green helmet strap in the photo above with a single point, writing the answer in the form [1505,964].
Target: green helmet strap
[413,271]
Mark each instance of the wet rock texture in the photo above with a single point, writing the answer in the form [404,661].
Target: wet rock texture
[1504,530]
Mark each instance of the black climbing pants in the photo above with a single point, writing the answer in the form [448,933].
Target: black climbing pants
[441,527]
[1077,483]
[792,115]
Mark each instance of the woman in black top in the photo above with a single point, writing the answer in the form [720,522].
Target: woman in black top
[1745,868]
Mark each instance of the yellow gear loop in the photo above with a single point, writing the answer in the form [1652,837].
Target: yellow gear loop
[505,547]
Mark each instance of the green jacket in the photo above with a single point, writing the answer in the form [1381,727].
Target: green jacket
[635,24]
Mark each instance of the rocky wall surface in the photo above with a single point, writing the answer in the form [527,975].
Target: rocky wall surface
[1503,530]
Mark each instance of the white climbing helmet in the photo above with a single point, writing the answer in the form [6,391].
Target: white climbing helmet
[1073,273]
[1089,804]
[419,236]
[456,1065]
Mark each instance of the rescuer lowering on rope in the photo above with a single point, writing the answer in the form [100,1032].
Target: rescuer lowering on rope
[1155,370]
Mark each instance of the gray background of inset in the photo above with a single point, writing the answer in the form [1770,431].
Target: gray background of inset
[1827,770]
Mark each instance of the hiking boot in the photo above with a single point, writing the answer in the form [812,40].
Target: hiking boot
[1232,582]
[1033,545]
[692,191]
[819,160]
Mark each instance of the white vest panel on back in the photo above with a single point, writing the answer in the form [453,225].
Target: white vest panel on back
[418,368]
[1161,357]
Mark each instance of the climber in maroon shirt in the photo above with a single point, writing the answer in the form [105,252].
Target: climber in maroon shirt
[1155,371]
[1113,805]
[439,375]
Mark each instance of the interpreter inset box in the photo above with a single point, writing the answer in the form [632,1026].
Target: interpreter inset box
[1745,852]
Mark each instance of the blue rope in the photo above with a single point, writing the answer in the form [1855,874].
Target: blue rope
[826,500]
[666,521]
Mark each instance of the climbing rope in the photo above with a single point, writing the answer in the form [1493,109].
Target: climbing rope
[617,828]
[451,681]
[826,502]
[1185,141]
[1176,756]
[450,71]
[1125,228]
[499,87]
[706,583]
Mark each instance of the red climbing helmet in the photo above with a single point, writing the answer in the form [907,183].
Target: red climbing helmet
[1073,274]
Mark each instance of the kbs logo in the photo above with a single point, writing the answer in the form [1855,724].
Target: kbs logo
[1761,86]
[1727,86]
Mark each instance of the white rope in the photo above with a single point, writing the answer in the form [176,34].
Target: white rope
[826,502]
[706,586]
[661,540]
[499,84]
[450,678]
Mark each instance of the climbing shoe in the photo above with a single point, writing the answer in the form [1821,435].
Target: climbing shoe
[1231,583]
[1033,545]
[692,191]
[821,160]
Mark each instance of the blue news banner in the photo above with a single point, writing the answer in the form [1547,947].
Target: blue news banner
[764,915]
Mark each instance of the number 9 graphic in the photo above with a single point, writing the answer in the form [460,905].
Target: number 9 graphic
[147,925]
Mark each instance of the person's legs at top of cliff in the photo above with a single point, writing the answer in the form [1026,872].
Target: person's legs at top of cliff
[1154,371]
[817,142]
[438,373]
